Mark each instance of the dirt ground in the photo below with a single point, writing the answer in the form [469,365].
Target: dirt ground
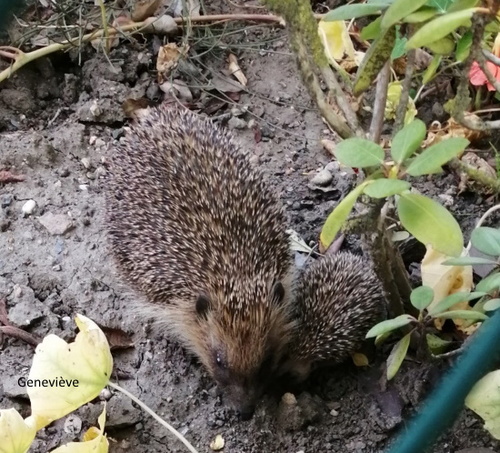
[54,267]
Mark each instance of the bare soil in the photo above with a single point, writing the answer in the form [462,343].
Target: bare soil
[50,136]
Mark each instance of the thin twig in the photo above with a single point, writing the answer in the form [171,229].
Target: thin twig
[481,59]
[491,57]
[405,92]
[20,334]
[380,100]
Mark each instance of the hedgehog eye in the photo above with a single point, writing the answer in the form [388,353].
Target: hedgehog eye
[202,305]
[278,292]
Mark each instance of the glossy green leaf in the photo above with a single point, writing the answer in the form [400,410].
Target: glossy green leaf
[399,46]
[422,297]
[439,5]
[463,46]
[383,187]
[439,28]
[359,153]
[467,261]
[389,325]
[347,12]
[490,283]
[400,9]
[423,14]
[462,314]
[486,240]
[374,60]
[431,159]
[431,70]
[436,345]
[459,5]
[408,140]
[430,223]
[397,356]
[452,299]
[339,215]
[492,304]
[372,30]
[382,337]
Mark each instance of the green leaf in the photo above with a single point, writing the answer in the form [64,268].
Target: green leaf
[389,325]
[490,283]
[372,30]
[397,356]
[453,299]
[443,46]
[436,345]
[422,297]
[430,223]
[467,261]
[339,215]
[440,5]
[359,153]
[381,338]
[462,314]
[347,12]
[408,140]
[430,72]
[374,60]
[383,187]
[439,28]
[486,240]
[399,47]
[423,14]
[432,158]
[463,46]
[400,9]
[459,5]
[492,304]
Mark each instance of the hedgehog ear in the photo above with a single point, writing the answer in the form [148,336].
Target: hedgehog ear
[202,305]
[278,292]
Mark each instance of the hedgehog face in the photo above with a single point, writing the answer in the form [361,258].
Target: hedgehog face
[243,347]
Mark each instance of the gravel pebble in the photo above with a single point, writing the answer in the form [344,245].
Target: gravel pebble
[28,207]
[323,178]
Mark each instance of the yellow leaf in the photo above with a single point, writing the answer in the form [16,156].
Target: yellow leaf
[484,400]
[394,91]
[218,443]
[65,376]
[16,434]
[445,280]
[360,359]
[94,440]
[336,40]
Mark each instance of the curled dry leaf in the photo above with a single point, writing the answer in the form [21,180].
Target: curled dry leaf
[236,71]
[360,359]
[480,165]
[218,443]
[177,89]
[144,9]
[446,280]
[163,25]
[451,129]
[117,338]
[168,58]
[336,40]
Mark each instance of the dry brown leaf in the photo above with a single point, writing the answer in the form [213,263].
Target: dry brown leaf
[480,165]
[144,9]
[117,338]
[133,107]
[437,132]
[236,71]
[168,57]
[6,176]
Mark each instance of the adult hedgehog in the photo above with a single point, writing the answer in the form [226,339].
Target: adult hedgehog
[200,234]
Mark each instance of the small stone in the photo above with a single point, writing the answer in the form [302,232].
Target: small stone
[83,187]
[333,167]
[105,395]
[117,133]
[56,224]
[99,143]
[323,178]
[100,172]
[57,268]
[86,162]
[334,413]
[28,207]
[289,399]
[73,425]
[218,443]
[6,200]
[236,123]
[92,139]
[64,173]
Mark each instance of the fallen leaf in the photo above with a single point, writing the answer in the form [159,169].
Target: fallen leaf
[144,9]
[236,71]
[6,177]
[393,96]
[117,338]
[336,40]
[481,166]
[75,373]
[168,58]
[446,280]
[133,107]
[360,359]
[16,433]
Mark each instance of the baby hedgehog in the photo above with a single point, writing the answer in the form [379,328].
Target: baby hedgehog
[203,238]
[338,299]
